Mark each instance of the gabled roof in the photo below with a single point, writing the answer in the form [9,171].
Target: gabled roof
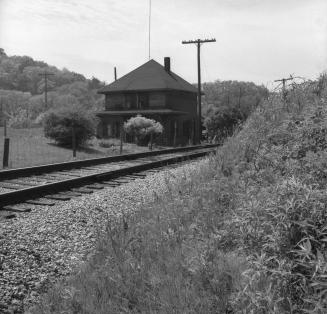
[149,76]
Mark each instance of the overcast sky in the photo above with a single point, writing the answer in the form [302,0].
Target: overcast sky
[257,40]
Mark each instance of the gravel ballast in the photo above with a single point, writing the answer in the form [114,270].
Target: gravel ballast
[40,247]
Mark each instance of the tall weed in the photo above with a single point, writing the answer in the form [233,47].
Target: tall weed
[244,232]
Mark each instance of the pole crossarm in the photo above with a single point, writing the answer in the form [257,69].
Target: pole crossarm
[284,80]
[198,41]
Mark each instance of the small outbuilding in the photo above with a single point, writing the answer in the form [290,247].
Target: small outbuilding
[155,92]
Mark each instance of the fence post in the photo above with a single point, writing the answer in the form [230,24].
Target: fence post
[121,139]
[74,140]
[175,133]
[5,153]
[151,141]
[5,128]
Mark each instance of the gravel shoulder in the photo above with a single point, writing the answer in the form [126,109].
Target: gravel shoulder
[40,247]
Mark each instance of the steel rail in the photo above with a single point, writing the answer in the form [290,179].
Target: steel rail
[19,172]
[21,195]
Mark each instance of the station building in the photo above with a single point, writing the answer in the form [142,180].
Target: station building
[155,92]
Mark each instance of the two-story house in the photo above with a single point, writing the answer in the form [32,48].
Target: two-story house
[153,91]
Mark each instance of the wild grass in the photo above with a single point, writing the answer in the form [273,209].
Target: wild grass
[243,232]
[29,147]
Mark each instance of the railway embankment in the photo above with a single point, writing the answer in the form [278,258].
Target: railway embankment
[243,231]
[42,246]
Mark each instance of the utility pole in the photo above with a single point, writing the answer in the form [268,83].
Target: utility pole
[198,42]
[284,80]
[45,75]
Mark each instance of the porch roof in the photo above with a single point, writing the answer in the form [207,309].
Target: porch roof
[109,113]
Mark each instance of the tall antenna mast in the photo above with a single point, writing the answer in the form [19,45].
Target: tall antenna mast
[149,29]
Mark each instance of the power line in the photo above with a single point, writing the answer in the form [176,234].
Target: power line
[198,42]
[45,75]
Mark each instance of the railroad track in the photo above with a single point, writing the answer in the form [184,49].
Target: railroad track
[48,184]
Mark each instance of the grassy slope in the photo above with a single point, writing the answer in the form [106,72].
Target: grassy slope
[243,232]
[29,147]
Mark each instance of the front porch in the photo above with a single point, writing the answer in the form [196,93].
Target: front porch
[178,125]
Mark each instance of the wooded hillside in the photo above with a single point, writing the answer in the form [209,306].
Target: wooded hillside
[22,89]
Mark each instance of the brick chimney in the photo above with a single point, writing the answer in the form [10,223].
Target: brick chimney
[167,64]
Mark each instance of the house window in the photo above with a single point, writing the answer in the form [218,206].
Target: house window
[115,101]
[130,101]
[143,101]
[156,100]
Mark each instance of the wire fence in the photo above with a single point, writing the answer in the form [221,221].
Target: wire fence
[29,147]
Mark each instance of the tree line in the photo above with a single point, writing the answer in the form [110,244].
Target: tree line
[22,90]
[224,105]
[228,103]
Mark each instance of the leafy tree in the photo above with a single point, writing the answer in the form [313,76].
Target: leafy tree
[22,89]
[30,80]
[58,125]
[94,83]
[221,123]
[227,103]
[2,52]
[141,127]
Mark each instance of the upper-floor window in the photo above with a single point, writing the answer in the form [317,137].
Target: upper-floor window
[130,101]
[156,100]
[114,101]
[143,101]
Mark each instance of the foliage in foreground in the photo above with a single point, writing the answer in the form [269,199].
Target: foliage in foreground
[59,125]
[243,232]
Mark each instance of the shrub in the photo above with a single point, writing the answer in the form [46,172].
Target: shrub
[58,125]
[106,144]
[222,122]
[140,127]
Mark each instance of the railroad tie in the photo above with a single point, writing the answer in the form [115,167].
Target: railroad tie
[17,209]
[70,193]
[82,190]
[120,181]
[21,182]
[58,197]
[40,202]
[110,183]
[7,215]
[68,174]
[95,186]
[9,186]
[138,175]
[132,177]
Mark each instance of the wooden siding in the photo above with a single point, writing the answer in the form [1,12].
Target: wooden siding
[157,100]
[182,101]
[184,125]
